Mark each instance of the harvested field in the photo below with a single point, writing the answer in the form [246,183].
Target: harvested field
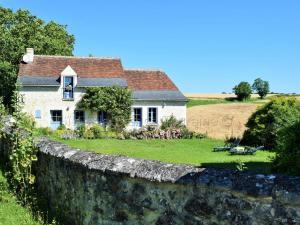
[220,120]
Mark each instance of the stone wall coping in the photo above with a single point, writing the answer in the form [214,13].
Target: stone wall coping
[283,188]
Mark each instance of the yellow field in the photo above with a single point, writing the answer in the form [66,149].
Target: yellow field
[220,120]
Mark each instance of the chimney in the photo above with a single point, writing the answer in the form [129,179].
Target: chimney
[28,57]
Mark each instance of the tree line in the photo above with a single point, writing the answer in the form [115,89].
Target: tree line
[244,90]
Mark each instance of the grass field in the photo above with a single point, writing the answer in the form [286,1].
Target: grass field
[11,213]
[193,151]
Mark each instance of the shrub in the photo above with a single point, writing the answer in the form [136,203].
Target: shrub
[44,131]
[88,134]
[97,130]
[115,101]
[68,134]
[61,127]
[243,91]
[287,159]
[80,130]
[171,123]
[264,125]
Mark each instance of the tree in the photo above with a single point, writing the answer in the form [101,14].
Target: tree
[261,87]
[264,125]
[243,91]
[19,30]
[287,159]
[115,101]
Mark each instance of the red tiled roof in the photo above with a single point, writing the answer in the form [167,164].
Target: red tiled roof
[88,67]
[149,80]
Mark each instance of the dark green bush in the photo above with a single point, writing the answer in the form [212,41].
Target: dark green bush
[287,158]
[115,101]
[264,125]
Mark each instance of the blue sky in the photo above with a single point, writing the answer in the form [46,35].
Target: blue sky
[204,45]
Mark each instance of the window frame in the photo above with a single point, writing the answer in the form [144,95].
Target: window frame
[100,114]
[80,120]
[38,114]
[71,92]
[52,116]
[141,114]
[151,115]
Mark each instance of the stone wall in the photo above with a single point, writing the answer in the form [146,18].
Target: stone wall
[87,188]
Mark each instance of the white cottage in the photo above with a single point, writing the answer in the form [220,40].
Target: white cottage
[52,86]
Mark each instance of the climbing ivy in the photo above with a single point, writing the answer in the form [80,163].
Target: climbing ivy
[115,101]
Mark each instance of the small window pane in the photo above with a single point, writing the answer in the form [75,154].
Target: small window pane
[38,114]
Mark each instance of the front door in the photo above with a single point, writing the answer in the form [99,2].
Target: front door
[137,117]
[56,119]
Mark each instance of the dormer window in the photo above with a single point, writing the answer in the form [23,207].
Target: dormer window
[68,87]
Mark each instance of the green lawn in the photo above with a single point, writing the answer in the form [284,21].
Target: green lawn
[192,151]
[11,213]
[198,101]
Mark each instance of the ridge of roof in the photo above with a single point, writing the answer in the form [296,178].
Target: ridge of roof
[144,69]
[79,57]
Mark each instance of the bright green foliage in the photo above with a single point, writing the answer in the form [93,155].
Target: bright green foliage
[185,151]
[80,130]
[12,213]
[243,91]
[20,30]
[194,102]
[264,125]
[171,123]
[97,130]
[287,158]
[261,87]
[19,152]
[115,101]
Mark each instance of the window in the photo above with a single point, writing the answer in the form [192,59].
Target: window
[152,115]
[56,118]
[56,115]
[79,116]
[137,117]
[38,114]
[102,117]
[137,114]
[68,88]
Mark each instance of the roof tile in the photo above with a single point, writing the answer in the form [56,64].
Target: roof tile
[83,66]
[149,80]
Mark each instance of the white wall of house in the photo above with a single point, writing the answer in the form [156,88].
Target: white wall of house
[45,99]
[165,109]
